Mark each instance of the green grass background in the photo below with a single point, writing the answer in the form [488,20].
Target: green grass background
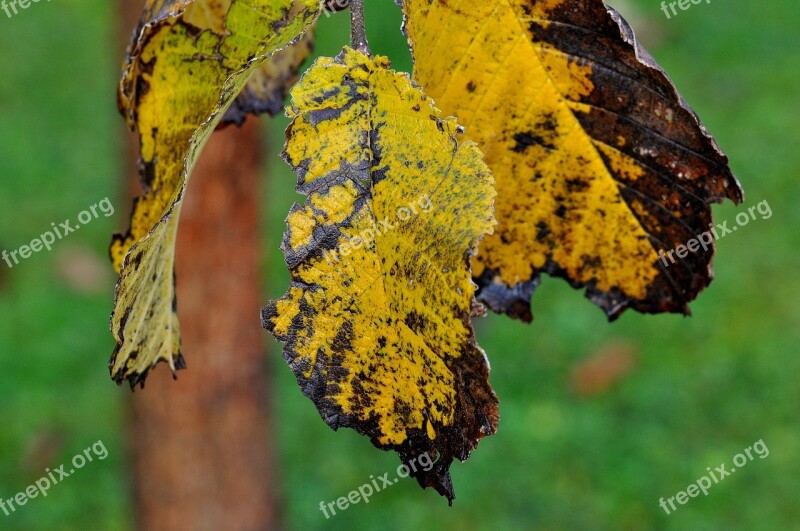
[704,388]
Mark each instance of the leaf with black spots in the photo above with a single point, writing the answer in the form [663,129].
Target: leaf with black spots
[376,322]
[599,163]
[186,63]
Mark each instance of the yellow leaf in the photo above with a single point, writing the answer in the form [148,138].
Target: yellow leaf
[376,323]
[599,163]
[186,63]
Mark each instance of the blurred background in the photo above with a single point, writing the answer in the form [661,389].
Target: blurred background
[598,421]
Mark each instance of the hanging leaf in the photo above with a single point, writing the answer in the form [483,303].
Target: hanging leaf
[599,162]
[376,323]
[186,63]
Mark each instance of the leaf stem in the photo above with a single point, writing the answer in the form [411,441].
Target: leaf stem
[358,29]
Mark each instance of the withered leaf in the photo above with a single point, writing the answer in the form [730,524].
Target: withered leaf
[376,322]
[186,63]
[599,162]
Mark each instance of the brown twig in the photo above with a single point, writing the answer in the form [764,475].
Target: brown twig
[358,29]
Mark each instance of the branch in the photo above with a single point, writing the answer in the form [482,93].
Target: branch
[358,30]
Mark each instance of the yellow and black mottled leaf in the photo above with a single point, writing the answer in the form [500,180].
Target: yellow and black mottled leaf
[186,63]
[376,323]
[267,87]
[599,162]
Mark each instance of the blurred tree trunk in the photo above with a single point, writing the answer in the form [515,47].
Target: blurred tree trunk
[201,453]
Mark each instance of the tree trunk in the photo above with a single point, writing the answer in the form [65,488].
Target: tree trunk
[201,453]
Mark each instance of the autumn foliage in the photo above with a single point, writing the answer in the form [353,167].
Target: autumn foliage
[535,136]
